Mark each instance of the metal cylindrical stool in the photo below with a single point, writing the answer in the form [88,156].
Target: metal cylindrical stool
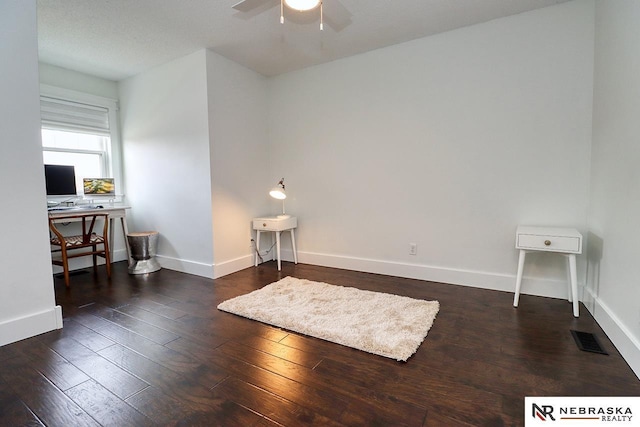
[143,251]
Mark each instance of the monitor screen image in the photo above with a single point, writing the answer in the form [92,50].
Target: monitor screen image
[60,180]
[98,186]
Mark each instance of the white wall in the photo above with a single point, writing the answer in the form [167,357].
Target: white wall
[165,135]
[27,305]
[614,286]
[239,151]
[448,142]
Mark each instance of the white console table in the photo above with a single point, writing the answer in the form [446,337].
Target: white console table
[114,211]
[565,241]
[276,225]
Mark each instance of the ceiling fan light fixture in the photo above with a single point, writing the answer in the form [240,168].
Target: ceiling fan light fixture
[302,5]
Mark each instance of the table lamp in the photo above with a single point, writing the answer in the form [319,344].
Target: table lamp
[278,192]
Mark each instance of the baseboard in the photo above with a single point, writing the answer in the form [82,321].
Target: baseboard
[227,267]
[181,265]
[627,344]
[231,266]
[186,266]
[28,326]
[120,255]
[476,279]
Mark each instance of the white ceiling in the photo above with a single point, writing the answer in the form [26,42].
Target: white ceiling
[115,39]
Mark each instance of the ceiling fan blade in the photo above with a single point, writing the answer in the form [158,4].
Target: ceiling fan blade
[336,15]
[247,5]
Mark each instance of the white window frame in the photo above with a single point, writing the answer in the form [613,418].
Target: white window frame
[112,158]
[105,156]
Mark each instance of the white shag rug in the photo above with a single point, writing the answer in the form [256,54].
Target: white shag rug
[384,324]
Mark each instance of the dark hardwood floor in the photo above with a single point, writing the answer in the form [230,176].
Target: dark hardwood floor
[154,350]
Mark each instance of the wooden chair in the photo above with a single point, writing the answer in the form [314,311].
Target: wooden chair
[88,239]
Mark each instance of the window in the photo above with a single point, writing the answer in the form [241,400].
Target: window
[80,130]
[87,153]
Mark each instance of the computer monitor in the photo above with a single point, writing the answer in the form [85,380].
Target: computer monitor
[60,180]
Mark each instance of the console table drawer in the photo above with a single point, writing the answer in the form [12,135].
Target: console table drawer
[275,223]
[549,243]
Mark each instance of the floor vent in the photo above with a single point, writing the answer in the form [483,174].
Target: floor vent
[586,341]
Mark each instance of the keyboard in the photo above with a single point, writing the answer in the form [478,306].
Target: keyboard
[71,208]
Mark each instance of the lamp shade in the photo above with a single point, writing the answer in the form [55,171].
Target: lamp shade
[278,193]
[302,5]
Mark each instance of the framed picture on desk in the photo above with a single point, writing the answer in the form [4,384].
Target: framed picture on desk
[99,186]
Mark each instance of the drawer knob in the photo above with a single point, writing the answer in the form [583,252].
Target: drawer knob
[547,242]
[264,224]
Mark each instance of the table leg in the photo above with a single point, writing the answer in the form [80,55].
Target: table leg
[574,285]
[257,247]
[293,245]
[569,290]
[516,297]
[278,249]
[111,243]
[125,232]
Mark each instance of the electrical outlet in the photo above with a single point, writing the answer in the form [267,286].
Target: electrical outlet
[413,249]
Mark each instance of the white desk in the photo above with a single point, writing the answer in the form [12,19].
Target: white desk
[114,211]
[276,225]
[566,241]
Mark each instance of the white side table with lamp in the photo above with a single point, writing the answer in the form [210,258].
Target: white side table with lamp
[277,224]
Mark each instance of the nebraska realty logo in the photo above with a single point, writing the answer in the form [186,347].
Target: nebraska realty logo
[582,411]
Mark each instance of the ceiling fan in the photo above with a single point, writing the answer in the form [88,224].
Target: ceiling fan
[336,15]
